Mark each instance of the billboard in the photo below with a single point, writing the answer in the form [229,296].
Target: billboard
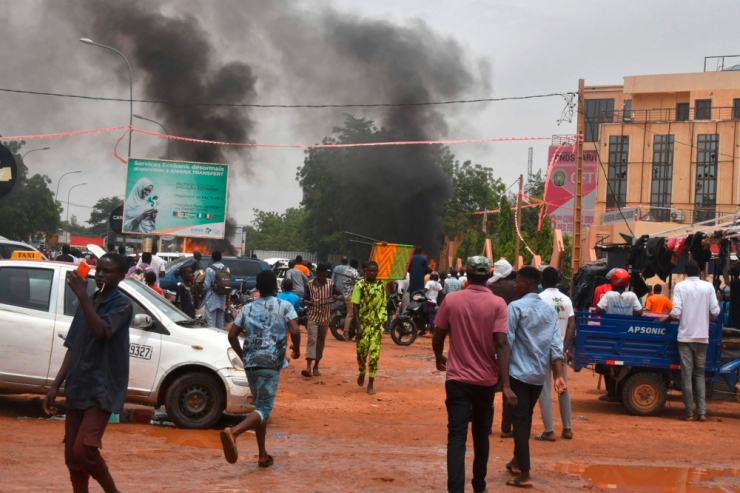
[175,198]
[561,187]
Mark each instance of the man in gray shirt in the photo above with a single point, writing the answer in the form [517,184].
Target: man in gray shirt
[299,279]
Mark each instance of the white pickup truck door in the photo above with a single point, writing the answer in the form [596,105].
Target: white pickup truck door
[27,323]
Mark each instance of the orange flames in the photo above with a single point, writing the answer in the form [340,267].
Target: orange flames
[189,245]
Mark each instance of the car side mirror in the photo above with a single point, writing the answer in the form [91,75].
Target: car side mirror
[143,321]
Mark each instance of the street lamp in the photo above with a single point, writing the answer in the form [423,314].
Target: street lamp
[60,180]
[165,131]
[68,193]
[34,150]
[130,83]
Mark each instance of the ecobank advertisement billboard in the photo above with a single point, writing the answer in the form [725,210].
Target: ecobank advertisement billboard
[175,198]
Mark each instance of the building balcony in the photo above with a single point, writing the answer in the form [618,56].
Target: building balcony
[666,115]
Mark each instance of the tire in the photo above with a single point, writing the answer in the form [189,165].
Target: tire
[403,333]
[195,401]
[644,394]
[337,328]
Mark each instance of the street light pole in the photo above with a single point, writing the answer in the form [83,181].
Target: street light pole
[68,194]
[33,150]
[60,180]
[165,131]
[130,83]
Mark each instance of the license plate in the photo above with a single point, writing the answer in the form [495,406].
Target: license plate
[140,351]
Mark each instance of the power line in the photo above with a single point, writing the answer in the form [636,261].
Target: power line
[253,105]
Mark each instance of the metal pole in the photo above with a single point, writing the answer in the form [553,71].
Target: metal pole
[576,252]
[163,128]
[56,194]
[34,150]
[518,219]
[131,88]
[68,194]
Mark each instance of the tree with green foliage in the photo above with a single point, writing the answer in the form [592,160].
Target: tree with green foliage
[74,228]
[273,231]
[29,208]
[506,243]
[100,215]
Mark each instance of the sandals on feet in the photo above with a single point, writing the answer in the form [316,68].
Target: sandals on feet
[267,463]
[512,470]
[507,435]
[229,444]
[544,438]
[306,373]
[567,435]
[519,483]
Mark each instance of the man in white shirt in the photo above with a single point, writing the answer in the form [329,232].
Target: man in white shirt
[567,323]
[431,290]
[618,301]
[694,301]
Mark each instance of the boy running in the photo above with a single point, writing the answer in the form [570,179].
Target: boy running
[369,306]
[263,322]
[94,371]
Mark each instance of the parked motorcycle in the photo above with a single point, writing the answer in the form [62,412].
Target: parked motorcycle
[339,310]
[411,321]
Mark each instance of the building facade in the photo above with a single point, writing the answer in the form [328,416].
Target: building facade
[667,146]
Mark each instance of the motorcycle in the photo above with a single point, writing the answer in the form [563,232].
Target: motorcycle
[336,325]
[411,321]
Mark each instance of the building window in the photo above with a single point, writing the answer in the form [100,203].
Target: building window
[662,178]
[682,112]
[703,109]
[705,199]
[627,112]
[597,111]
[736,109]
[616,192]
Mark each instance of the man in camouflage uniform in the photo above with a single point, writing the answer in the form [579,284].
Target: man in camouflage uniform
[369,303]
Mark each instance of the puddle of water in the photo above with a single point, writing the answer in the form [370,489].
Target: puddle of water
[628,479]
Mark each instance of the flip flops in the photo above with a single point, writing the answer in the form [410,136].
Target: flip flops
[229,444]
[267,463]
[306,373]
[543,438]
[567,435]
[518,483]
[512,470]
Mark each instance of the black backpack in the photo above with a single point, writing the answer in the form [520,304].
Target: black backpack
[222,282]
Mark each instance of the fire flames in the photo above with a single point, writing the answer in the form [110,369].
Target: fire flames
[206,247]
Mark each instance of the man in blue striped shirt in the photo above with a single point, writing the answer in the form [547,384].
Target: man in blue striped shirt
[536,346]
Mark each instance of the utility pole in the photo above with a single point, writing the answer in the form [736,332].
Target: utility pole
[518,219]
[529,164]
[576,252]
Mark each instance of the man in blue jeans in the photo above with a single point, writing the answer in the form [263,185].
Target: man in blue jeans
[478,357]
[263,322]
[694,301]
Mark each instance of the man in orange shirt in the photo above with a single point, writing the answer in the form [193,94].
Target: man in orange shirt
[299,265]
[657,302]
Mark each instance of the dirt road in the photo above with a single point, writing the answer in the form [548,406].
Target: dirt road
[328,435]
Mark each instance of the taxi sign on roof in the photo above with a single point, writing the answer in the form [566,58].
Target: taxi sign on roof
[26,255]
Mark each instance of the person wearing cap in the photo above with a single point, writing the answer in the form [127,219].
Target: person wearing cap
[618,301]
[477,359]
[502,285]
[536,349]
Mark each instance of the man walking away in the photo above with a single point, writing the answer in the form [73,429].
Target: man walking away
[536,348]
[477,359]
[197,256]
[694,302]
[657,302]
[418,268]
[301,267]
[111,248]
[618,301]
[432,290]
[298,278]
[369,307]
[95,371]
[567,325]
[263,322]
[452,285]
[66,256]
[215,302]
[318,296]
[337,274]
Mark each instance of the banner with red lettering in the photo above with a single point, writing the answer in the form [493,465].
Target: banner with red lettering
[561,187]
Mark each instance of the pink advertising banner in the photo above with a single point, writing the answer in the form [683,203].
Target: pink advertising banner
[560,187]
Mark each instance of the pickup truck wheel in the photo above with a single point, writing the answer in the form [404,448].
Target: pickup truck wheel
[644,394]
[195,401]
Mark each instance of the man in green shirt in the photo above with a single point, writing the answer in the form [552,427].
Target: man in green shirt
[369,303]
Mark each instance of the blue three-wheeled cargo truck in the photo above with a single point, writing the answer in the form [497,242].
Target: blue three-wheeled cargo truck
[638,357]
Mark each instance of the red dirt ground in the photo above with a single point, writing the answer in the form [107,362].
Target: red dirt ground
[328,435]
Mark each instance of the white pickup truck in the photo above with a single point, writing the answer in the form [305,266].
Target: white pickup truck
[175,361]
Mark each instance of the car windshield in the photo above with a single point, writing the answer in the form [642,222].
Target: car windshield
[170,266]
[162,304]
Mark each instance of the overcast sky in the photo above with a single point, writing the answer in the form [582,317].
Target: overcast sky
[532,47]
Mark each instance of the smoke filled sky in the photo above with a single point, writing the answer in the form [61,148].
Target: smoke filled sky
[316,52]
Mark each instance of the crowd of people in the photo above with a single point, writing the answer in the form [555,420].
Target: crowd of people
[508,332]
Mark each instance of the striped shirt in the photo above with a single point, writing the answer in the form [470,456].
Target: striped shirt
[322,296]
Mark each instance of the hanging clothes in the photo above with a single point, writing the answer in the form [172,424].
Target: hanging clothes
[699,250]
[677,244]
[659,259]
[735,302]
